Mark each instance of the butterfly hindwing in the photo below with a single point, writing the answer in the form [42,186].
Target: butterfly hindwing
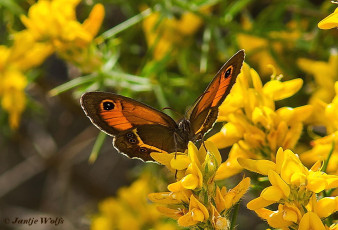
[205,111]
[141,141]
[134,125]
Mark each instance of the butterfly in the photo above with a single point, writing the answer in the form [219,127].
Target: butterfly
[139,129]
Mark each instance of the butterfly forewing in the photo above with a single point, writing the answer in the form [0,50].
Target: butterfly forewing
[205,111]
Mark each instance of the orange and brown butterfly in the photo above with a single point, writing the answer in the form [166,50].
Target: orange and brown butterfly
[139,129]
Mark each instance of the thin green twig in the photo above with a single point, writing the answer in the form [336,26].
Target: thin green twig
[234,216]
[97,147]
[326,162]
[124,25]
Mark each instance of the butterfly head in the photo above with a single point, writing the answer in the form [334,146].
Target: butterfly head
[185,130]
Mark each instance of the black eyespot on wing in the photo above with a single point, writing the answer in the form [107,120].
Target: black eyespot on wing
[130,135]
[228,72]
[108,105]
[143,150]
[132,140]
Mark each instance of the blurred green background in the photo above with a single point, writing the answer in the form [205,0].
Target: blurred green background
[163,53]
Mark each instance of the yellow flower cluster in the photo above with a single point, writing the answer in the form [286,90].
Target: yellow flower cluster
[327,146]
[54,22]
[51,26]
[130,209]
[254,127]
[325,75]
[163,35]
[24,54]
[296,189]
[259,50]
[195,199]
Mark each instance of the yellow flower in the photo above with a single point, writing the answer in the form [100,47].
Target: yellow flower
[325,74]
[24,54]
[13,98]
[327,116]
[321,150]
[196,188]
[259,49]
[330,21]
[55,22]
[197,213]
[130,209]
[254,127]
[294,187]
[164,34]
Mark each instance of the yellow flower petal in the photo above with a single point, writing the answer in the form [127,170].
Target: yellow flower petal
[311,221]
[190,182]
[211,147]
[172,213]
[272,193]
[194,203]
[187,220]
[219,200]
[258,203]
[292,170]
[163,198]
[175,187]
[326,206]
[258,166]
[330,21]
[280,90]
[180,162]
[194,154]
[197,215]
[277,181]
[291,213]
[235,194]
[162,158]
[276,220]
[93,23]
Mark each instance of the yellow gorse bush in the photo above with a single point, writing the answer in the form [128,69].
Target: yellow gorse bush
[54,22]
[324,145]
[24,54]
[130,209]
[164,35]
[195,199]
[254,127]
[296,189]
[325,75]
[51,26]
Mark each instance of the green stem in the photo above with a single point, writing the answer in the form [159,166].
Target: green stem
[71,84]
[125,25]
[97,147]
[328,157]
[234,216]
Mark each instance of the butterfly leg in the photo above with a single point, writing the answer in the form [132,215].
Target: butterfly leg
[175,141]
[200,136]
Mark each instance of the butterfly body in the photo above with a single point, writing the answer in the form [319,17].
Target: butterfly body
[139,129]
